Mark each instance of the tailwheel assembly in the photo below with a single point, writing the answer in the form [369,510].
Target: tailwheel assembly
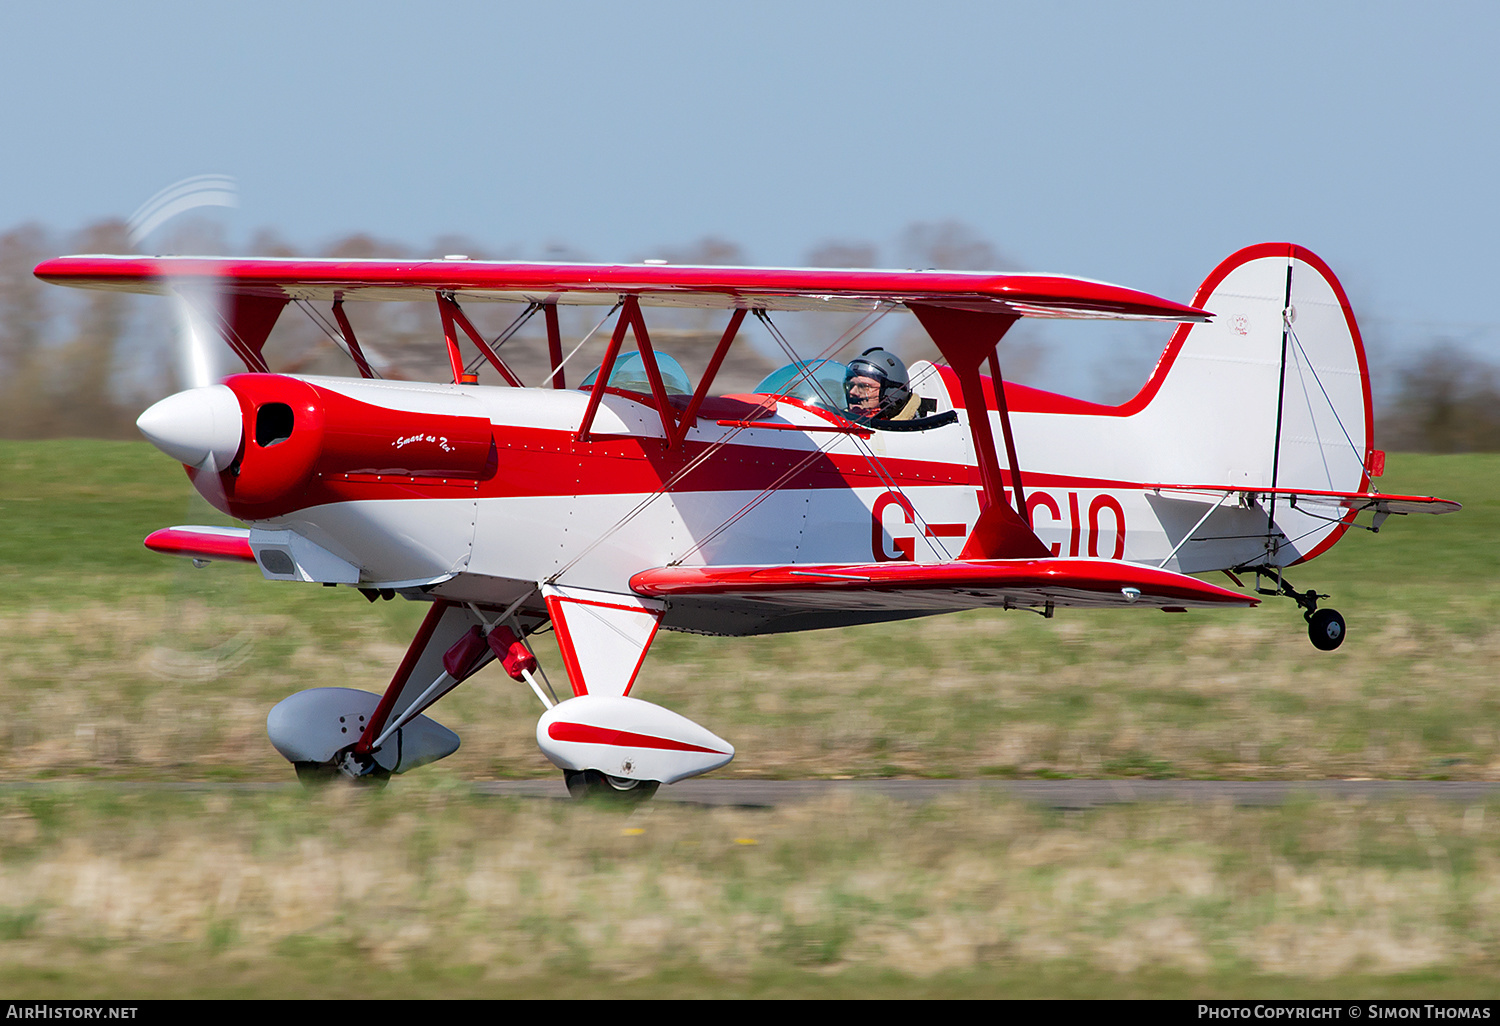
[593,785]
[1325,627]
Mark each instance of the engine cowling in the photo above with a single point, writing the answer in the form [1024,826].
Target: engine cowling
[298,440]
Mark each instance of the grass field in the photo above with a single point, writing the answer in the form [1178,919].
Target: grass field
[116,664]
[121,663]
[429,891]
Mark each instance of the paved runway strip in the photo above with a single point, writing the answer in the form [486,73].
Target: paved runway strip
[1058,794]
[1063,794]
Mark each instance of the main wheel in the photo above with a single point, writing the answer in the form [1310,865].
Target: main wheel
[317,775]
[591,784]
[1326,629]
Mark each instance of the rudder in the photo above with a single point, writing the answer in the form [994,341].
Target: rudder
[1273,393]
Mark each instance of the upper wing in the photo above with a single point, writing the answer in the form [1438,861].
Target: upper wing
[765,288]
[761,599]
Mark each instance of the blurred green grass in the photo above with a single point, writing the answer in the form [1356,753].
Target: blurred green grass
[433,891]
[122,663]
[119,664]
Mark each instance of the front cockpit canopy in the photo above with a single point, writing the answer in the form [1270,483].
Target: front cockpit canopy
[815,382]
[629,374]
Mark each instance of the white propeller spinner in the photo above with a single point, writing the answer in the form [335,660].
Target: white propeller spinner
[201,427]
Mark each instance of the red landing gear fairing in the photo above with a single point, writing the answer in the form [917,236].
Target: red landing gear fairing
[640,502]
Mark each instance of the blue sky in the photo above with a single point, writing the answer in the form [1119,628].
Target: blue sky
[1136,143]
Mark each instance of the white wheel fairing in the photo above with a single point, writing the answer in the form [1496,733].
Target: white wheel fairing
[628,738]
[313,726]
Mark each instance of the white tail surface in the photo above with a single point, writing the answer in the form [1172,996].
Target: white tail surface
[1273,393]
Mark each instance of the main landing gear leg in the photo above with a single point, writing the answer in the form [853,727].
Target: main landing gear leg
[1325,627]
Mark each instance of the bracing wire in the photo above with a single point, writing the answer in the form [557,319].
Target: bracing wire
[640,507]
[331,330]
[602,321]
[853,333]
[506,335]
[764,494]
[873,461]
[1326,397]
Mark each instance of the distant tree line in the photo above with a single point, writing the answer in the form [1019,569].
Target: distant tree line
[58,371]
[1446,399]
[85,363]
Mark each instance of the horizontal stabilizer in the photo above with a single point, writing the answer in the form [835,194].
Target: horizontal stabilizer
[1357,501]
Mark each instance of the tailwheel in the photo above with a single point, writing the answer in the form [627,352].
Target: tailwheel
[1326,629]
[587,785]
[1324,626]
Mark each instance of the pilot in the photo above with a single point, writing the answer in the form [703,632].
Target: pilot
[876,387]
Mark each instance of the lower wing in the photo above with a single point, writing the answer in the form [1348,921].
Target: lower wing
[765,599]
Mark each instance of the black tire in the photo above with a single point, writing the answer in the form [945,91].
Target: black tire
[591,785]
[1326,629]
[314,776]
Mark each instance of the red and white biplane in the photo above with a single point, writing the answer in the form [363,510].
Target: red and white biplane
[640,502]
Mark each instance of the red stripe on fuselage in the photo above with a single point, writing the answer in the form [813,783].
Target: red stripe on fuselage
[537,462]
[528,462]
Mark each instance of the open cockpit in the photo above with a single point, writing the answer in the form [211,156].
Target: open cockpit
[819,384]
